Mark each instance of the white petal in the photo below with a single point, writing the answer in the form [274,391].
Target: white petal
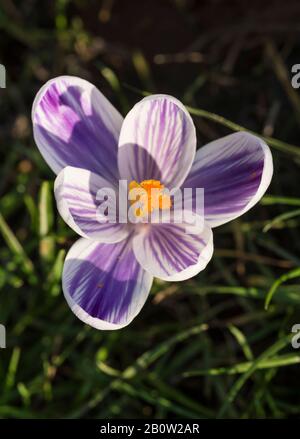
[76,196]
[104,284]
[170,252]
[157,141]
[75,125]
[235,172]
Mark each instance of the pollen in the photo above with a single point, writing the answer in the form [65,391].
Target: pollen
[153,196]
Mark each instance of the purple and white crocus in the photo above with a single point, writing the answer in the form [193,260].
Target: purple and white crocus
[109,271]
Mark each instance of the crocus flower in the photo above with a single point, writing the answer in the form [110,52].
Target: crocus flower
[109,271]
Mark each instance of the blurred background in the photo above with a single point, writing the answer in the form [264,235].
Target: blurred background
[204,348]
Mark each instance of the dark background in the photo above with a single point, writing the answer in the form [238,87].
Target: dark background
[232,58]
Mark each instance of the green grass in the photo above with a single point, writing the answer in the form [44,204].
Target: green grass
[217,345]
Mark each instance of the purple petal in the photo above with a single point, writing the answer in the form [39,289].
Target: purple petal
[157,141]
[104,284]
[76,196]
[75,125]
[168,252]
[235,172]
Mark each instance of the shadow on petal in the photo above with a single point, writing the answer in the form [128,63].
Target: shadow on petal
[136,163]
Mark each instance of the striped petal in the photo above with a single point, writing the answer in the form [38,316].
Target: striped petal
[75,125]
[104,284]
[78,202]
[157,141]
[170,252]
[235,172]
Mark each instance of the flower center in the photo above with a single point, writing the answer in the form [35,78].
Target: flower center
[151,195]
